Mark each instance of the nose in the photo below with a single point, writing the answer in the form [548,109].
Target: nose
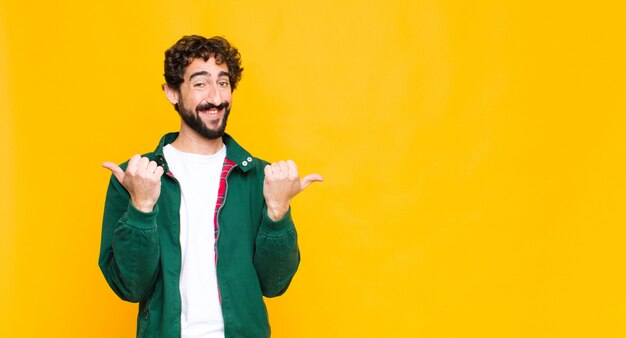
[214,96]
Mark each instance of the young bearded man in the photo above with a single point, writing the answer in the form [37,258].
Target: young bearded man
[199,230]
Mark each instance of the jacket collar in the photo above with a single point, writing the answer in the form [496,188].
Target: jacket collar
[234,152]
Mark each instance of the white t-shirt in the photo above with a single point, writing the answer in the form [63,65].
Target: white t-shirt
[199,179]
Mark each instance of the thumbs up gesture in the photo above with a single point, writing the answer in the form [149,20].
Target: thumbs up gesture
[282,183]
[142,180]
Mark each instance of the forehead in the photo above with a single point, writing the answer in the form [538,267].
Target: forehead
[209,66]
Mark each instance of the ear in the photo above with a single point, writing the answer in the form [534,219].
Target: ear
[172,94]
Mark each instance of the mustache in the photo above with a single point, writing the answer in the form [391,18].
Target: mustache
[207,106]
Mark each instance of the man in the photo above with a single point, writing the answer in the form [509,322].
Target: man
[199,230]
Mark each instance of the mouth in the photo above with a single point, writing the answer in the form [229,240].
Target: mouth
[211,111]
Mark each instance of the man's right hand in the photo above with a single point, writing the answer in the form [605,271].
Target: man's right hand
[142,180]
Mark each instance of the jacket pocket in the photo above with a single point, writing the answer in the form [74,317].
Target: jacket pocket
[143,318]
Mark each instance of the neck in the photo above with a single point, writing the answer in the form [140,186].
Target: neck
[189,141]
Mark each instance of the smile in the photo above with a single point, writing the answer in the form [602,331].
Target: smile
[213,112]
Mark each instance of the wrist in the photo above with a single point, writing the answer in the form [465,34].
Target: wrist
[143,206]
[276,212]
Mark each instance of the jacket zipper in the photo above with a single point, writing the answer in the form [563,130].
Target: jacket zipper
[170,175]
[219,229]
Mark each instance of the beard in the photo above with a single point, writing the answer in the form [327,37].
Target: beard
[192,119]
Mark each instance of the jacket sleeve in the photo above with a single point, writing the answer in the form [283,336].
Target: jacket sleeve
[277,256]
[129,249]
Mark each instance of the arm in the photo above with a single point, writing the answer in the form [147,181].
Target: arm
[129,252]
[277,255]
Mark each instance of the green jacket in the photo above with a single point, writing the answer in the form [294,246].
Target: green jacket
[140,252]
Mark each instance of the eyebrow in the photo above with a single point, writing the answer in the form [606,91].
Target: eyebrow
[204,72]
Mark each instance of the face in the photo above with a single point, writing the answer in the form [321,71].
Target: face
[204,98]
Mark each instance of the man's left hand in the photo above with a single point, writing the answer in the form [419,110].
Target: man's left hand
[282,183]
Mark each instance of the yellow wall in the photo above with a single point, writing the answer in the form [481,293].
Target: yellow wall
[474,156]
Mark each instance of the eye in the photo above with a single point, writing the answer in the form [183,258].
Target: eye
[223,84]
[199,84]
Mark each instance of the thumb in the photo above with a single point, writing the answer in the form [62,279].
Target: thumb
[115,169]
[308,179]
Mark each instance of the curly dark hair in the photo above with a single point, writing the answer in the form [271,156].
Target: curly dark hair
[191,47]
